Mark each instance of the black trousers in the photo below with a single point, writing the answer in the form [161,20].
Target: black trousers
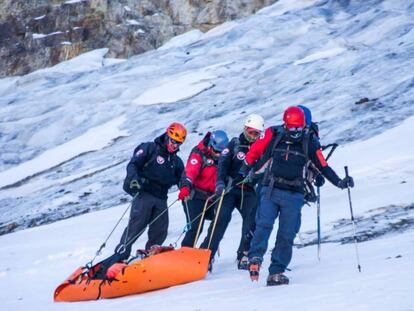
[145,208]
[195,209]
[246,203]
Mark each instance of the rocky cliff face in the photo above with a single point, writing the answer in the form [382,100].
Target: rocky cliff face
[40,33]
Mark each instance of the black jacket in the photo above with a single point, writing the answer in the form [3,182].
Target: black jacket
[154,167]
[231,160]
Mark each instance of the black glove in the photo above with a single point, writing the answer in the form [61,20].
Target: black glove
[347,181]
[220,187]
[319,180]
[244,170]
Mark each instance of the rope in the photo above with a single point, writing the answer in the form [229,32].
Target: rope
[201,220]
[215,219]
[187,215]
[103,245]
[149,224]
[186,227]
[188,224]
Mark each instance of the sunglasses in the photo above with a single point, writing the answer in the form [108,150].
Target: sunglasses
[253,132]
[295,129]
[174,142]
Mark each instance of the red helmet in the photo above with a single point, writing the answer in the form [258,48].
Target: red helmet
[294,117]
[177,132]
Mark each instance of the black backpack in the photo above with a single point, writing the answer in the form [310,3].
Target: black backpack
[263,166]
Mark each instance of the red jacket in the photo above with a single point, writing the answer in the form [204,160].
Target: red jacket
[201,169]
[259,147]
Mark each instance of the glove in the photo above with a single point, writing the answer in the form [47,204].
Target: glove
[347,181]
[132,187]
[184,193]
[134,184]
[220,186]
[244,170]
[319,180]
[246,173]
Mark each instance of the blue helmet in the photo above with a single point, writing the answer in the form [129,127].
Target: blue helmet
[218,140]
[308,114]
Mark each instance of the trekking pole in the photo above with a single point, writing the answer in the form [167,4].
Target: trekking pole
[201,220]
[318,200]
[215,218]
[353,220]
[318,220]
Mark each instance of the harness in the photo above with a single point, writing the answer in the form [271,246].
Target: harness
[205,162]
[269,178]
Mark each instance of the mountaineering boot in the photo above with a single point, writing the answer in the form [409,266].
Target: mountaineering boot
[277,279]
[243,263]
[254,267]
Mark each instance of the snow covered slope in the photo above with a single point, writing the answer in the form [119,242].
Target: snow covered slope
[326,54]
[34,261]
[67,133]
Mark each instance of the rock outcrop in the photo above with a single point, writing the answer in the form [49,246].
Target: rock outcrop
[42,33]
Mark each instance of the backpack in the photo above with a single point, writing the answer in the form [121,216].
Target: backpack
[310,171]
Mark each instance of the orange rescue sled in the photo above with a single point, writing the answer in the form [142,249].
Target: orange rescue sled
[163,270]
